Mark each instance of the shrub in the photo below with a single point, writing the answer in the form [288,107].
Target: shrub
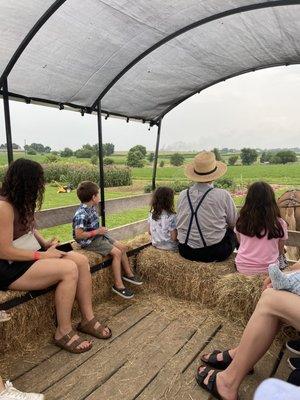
[135,158]
[2,172]
[31,151]
[108,161]
[284,156]
[266,156]
[176,159]
[83,153]
[248,156]
[140,148]
[232,160]
[162,163]
[51,158]
[150,157]
[74,174]
[148,188]
[108,149]
[225,183]
[179,186]
[66,152]
[94,160]
[275,159]
[217,154]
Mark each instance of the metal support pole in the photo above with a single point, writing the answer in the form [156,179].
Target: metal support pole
[156,155]
[9,147]
[101,168]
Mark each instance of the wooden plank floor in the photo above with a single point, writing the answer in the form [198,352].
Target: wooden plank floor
[153,355]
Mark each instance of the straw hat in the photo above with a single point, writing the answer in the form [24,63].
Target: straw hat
[205,168]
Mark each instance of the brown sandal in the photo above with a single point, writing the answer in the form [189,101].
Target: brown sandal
[90,329]
[72,347]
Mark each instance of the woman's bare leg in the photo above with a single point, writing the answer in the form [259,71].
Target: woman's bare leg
[84,287]
[273,308]
[45,273]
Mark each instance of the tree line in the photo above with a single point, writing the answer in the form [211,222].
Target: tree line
[137,155]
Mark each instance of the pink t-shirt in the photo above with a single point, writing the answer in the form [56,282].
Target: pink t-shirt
[255,255]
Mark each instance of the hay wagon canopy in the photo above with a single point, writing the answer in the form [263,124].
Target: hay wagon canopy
[141,58]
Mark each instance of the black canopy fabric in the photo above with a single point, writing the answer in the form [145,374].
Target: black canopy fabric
[140,57]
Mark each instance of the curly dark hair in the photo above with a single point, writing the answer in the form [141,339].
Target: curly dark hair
[260,214]
[24,186]
[162,200]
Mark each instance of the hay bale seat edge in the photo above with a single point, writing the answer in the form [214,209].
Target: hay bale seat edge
[33,313]
[214,285]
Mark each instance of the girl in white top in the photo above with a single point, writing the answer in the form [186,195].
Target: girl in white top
[162,220]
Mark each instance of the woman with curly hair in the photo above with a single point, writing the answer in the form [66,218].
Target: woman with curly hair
[38,264]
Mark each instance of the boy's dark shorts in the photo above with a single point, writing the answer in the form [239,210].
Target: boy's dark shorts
[101,244]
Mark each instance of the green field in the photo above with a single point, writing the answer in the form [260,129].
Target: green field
[288,174]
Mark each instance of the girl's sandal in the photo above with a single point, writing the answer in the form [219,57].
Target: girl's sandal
[89,328]
[73,347]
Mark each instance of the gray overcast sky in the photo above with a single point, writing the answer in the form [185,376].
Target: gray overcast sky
[259,109]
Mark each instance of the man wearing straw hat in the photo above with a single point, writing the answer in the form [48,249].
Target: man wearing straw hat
[206,215]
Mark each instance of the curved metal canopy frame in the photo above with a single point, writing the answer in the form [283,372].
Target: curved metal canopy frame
[251,7]
[246,71]
[30,35]
[51,10]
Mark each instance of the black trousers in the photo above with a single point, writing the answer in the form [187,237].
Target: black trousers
[217,252]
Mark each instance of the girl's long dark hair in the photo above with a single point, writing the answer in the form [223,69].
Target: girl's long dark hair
[24,186]
[162,200]
[259,215]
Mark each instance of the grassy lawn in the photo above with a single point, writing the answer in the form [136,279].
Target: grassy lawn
[54,199]
[64,232]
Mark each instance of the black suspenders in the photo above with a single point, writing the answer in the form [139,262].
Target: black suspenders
[194,215]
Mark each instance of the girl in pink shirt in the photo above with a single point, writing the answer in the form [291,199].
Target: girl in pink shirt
[260,231]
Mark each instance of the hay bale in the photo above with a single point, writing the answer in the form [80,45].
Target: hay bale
[175,276]
[9,295]
[137,241]
[236,295]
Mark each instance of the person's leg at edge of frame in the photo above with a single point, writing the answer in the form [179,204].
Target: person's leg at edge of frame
[45,273]
[84,288]
[273,308]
